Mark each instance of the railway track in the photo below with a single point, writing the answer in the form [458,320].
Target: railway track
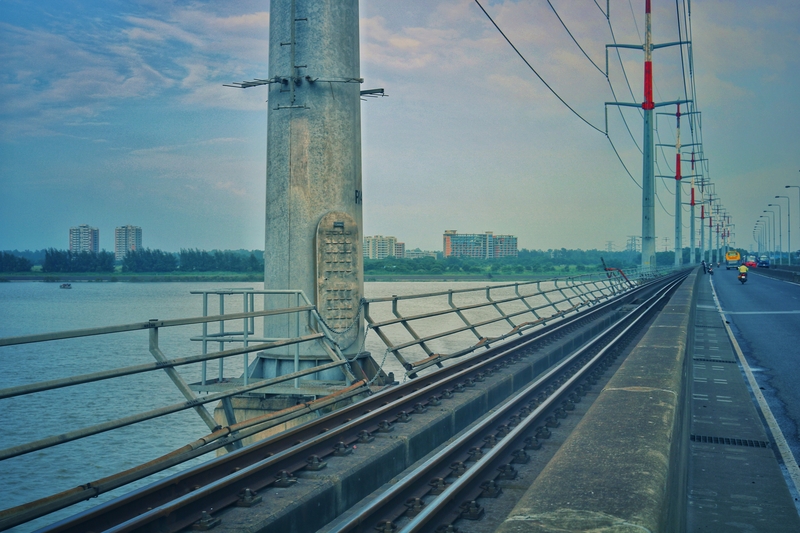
[195,497]
[448,489]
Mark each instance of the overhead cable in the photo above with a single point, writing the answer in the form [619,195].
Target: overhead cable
[536,73]
[600,8]
[622,162]
[575,40]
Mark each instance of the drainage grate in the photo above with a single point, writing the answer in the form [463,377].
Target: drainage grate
[713,360]
[730,442]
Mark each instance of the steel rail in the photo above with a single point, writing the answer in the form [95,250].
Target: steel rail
[416,485]
[198,488]
[447,504]
[229,434]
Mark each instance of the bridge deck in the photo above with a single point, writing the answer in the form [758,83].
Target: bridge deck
[638,461]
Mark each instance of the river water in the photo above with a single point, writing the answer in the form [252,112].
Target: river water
[31,307]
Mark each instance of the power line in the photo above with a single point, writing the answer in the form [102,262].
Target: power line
[621,161]
[536,73]
[600,8]
[575,40]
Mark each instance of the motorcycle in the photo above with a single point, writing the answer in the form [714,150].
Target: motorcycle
[710,270]
[743,277]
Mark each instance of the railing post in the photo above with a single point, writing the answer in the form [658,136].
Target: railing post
[463,318]
[408,327]
[205,336]
[221,336]
[245,332]
[297,346]
[489,298]
[524,301]
[179,382]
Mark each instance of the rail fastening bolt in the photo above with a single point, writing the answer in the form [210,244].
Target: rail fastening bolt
[438,485]
[471,510]
[314,463]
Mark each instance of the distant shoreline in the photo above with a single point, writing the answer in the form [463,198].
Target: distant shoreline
[157,277]
[70,277]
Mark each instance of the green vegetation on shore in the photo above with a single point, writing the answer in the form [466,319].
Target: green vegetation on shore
[248,266]
[60,277]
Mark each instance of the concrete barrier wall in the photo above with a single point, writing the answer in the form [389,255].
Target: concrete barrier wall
[624,467]
[783,273]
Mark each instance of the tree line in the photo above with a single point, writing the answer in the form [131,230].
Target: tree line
[527,261]
[193,260]
[11,263]
[66,261]
[145,260]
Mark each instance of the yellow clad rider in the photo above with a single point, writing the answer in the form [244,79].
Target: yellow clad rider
[743,269]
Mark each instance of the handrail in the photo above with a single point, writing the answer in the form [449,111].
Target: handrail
[137,326]
[574,292]
[250,343]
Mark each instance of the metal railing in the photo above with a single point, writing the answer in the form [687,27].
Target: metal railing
[229,437]
[313,324]
[489,314]
[517,307]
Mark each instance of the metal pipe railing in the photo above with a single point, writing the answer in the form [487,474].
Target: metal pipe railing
[566,295]
[10,392]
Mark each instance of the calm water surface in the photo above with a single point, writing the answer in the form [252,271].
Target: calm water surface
[29,307]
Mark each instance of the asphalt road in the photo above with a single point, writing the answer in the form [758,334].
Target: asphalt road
[764,315]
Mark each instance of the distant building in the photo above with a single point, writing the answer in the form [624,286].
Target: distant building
[400,250]
[84,238]
[380,247]
[479,245]
[126,238]
[419,254]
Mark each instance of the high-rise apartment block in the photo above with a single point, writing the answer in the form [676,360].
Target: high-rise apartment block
[84,238]
[126,238]
[479,245]
[380,247]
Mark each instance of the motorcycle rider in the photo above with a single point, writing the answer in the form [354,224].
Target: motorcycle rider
[743,270]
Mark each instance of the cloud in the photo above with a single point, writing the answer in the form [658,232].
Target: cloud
[185,146]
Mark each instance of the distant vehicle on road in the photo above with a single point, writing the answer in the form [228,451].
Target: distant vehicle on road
[751,262]
[732,259]
[763,261]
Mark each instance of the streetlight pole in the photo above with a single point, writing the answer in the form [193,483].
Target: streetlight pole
[798,198]
[769,245]
[774,235]
[758,233]
[757,236]
[780,233]
[788,226]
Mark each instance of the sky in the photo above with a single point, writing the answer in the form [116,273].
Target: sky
[114,112]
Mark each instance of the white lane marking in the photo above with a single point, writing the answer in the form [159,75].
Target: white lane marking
[780,439]
[762,312]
